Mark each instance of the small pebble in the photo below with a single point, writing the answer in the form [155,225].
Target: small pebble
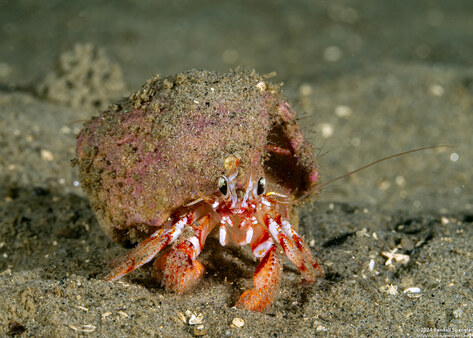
[454,157]
[413,292]
[238,322]
[321,328]
[371,265]
[106,314]
[457,313]
[47,155]
[437,90]
[343,111]
[326,129]
[123,314]
[389,289]
[444,220]
[200,330]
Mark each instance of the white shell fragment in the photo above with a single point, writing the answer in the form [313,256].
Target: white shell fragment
[261,86]
[390,289]
[83,328]
[398,258]
[238,322]
[413,292]
[371,265]
[196,319]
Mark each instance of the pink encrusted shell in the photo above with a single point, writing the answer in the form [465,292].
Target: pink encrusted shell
[145,157]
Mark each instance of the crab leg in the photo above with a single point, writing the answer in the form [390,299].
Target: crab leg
[293,246]
[178,268]
[302,247]
[266,277]
[149,248]
[278,150]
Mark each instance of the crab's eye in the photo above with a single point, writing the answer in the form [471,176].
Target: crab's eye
[261,186]
[223,185]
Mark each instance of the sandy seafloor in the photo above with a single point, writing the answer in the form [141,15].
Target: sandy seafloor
[369,78]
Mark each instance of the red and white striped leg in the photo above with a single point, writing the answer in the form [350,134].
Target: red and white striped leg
[178,268]
[293,246]
[149,248]
[266,277]
[302,249]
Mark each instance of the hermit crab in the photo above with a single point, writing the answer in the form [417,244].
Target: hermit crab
[196,153]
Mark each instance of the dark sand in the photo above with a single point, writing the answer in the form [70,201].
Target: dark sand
[369,79]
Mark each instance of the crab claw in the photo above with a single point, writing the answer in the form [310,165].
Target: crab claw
[265,280]
[176,270]
[268,273]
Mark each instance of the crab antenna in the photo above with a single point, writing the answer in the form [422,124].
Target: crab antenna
[323,185]
[274,193]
